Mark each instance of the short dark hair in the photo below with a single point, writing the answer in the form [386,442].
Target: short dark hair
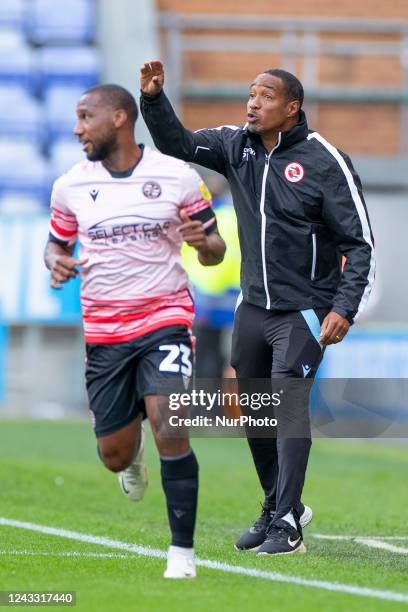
[293,87]
[118,97]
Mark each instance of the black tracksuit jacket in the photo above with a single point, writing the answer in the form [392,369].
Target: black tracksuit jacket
[300,208]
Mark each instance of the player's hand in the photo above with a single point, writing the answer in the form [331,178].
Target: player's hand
[334,328]
[192,232]
[63,268]
[152,77]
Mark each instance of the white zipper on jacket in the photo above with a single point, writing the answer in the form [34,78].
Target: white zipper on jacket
[263,225]
[314,256]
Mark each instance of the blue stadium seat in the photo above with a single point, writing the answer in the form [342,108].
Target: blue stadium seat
[20,114]
[22,169]
[17,60]
[51,21]
[12,13]
[68,66]
[60,111]
[63,155]
[20,203]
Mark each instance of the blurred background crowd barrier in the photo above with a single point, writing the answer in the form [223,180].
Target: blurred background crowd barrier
[353,62]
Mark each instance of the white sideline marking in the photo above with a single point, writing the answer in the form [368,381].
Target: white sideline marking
[325,536]
[371,541]
[224,567]
[377,543]
[32,553]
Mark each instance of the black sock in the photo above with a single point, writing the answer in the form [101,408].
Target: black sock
[180,485]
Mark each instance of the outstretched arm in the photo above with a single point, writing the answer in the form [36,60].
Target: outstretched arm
[204,147]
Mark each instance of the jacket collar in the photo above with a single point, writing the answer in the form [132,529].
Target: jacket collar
[296,134]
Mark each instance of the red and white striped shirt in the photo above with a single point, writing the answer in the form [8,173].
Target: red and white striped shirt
[133,282]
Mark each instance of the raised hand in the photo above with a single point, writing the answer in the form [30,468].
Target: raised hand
[152,77]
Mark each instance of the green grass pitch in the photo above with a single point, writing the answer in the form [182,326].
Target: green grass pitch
[50,475]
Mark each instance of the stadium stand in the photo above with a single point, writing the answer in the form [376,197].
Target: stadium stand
[13,13]
[47,23]
[59,105]
[351,58]
[68,66]
[17,60]
[20,114]
[20,203]
[47,59]
[23,169]
[63,155]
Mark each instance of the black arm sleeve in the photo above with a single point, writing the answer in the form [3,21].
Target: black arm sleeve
[207,218]
[345,213]
[52,238]
[204,147]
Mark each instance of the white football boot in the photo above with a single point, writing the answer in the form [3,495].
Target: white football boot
[133,481]
[180,563]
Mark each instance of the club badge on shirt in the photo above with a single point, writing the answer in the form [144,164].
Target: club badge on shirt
[152,190]
[294,172]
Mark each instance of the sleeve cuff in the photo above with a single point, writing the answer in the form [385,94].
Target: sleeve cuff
[148,98]
[343,313]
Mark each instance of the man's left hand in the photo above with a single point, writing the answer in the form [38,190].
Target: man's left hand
[192,232]
[334,328]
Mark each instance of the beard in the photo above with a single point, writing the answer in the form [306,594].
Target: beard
[253,129]
[101,151]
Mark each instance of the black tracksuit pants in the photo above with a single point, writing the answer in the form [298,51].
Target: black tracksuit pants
[284,346]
